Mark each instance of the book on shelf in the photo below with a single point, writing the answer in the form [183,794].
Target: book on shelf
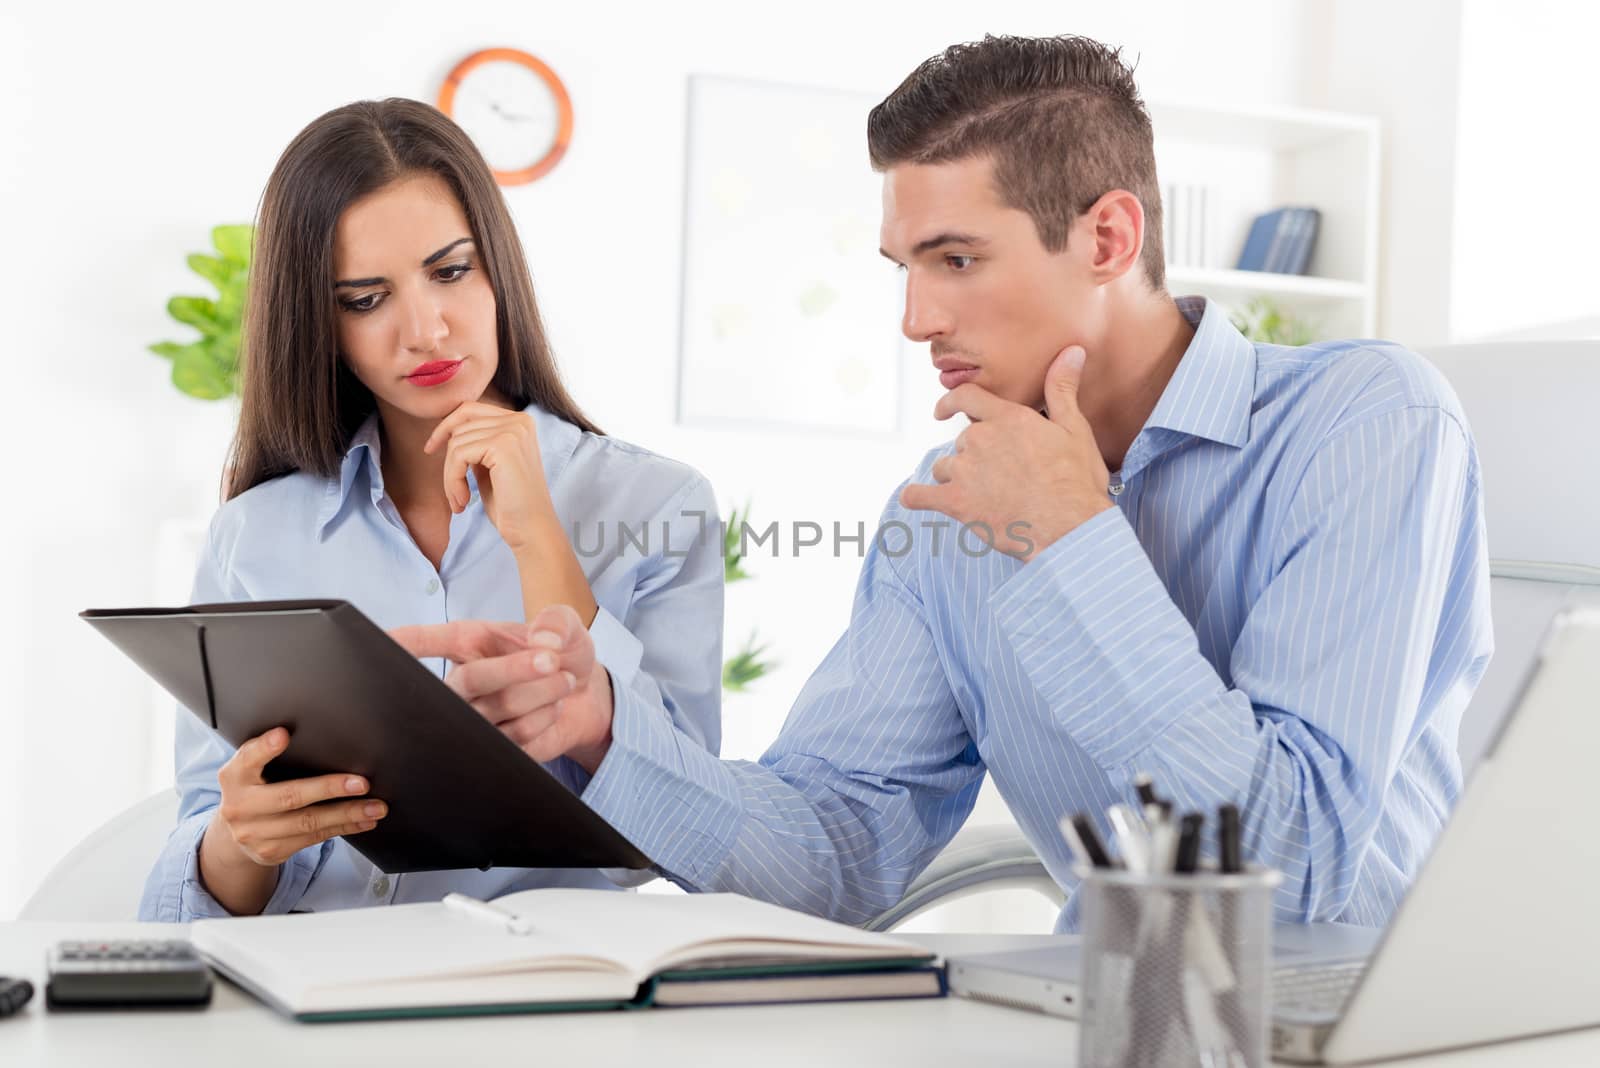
[1281,241]
[1185,223]
[557,950]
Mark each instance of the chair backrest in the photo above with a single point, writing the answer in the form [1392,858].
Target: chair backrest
[103,877]
[1530,405]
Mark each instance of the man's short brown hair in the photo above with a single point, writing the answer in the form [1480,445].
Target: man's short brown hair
[1060,117]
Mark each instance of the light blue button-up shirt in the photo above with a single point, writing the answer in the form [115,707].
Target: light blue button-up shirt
[1288,609]
[646,532]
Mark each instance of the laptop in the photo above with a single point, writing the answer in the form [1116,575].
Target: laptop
[1044,978]
[1498,937]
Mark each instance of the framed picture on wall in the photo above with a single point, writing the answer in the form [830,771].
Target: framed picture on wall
[790,317]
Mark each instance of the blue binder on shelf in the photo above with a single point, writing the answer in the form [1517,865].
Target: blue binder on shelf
[1259,243]
[1281,241]
[1297,258]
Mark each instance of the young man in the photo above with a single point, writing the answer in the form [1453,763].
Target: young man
[1256,573]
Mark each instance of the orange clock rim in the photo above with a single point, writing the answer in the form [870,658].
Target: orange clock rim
[447,98]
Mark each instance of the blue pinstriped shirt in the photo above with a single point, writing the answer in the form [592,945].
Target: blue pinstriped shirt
[1288,609]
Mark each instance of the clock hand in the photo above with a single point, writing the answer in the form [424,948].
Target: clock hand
[504,114]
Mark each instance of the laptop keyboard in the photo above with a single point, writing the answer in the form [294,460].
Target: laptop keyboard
[1314,991]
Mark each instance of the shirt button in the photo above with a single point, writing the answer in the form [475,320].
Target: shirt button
[433,585]
[1116,488]
[381,887]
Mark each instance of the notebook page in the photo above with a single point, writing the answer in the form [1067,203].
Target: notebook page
[649,932]
[396,943]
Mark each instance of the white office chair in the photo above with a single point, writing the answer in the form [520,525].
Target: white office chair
[103,877]
[1530,406]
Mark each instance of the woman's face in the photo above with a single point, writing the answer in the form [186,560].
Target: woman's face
[416,312]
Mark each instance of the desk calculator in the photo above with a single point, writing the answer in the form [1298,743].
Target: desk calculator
[127,974]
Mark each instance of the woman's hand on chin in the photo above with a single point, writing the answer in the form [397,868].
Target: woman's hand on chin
[502,449]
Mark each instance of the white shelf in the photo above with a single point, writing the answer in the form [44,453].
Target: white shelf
[1210,280]
[1274,129]
[1221,167]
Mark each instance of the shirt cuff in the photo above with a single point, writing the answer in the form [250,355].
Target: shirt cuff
[673,800]
[1098,636]
[616,647]
[568,773]
[294,877]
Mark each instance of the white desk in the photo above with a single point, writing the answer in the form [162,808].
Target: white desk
[237,1032]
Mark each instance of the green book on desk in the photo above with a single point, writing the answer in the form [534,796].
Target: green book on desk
[555,950]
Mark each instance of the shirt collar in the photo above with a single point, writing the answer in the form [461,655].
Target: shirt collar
[557,441]
[1212,392]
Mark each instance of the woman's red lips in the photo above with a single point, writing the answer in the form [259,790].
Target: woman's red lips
[434,373]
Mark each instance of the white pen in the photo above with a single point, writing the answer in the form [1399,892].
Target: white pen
[1131,837]
[482,910]
[1163,847]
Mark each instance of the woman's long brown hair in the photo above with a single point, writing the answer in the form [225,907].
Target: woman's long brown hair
[301,404]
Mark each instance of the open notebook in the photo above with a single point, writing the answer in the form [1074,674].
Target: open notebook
[583,949]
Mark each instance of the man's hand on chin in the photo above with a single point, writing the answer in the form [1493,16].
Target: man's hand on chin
[538,682]
[1019,479]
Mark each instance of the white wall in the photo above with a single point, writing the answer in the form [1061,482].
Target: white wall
[12,540]
[1527,165]
[1399,62]
[129,134]
[1486,108]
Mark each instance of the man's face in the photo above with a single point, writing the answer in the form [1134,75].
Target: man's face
[993,303]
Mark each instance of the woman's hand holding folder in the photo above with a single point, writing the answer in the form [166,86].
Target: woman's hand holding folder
[259,825]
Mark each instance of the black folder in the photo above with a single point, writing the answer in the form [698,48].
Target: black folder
[460,793]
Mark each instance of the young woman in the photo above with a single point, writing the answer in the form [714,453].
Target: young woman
[405,444]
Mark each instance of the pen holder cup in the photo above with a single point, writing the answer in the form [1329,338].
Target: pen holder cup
[1176,969]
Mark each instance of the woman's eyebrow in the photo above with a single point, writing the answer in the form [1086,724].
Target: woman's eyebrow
[437,256]
[356,283]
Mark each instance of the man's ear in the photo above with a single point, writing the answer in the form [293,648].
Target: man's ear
[1116,222]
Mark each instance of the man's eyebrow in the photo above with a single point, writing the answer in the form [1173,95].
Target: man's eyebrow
[946,238]
[434,258]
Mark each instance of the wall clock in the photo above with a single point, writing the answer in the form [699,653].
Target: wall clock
[515,110]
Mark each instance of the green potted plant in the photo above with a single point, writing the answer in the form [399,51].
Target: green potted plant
[747,665]
[208,366]
[1263,319]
